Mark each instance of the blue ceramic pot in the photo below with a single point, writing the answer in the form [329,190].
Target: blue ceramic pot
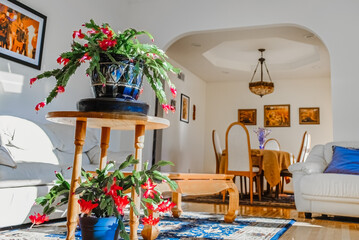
[123,80]
[93,228]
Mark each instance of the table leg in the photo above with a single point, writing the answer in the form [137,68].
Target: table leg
[73,207]
[177,199]
[233,203]
[105,139]
[139,144]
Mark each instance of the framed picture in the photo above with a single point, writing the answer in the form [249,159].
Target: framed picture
[22,32]
[309,115]
[277,115]
[247,116]
[184,108]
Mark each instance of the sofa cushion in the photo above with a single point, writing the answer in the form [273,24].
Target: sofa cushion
[26,141]
[64,136]
[6,158]
[67,159]
[328,148]
[345,160]
[116,157]
[330,185]
[28,174]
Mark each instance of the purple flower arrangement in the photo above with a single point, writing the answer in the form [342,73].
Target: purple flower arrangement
[262,133]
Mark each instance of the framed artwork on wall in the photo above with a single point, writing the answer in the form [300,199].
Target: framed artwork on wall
[309,115]
[277,115]
[184,116]
[247,116]
[22,32]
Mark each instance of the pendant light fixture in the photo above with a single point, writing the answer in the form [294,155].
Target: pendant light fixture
[261,87]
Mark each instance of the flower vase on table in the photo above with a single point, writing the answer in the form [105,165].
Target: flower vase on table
[262,133]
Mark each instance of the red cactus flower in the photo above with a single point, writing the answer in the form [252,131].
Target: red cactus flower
[60,89]
[85,57]
[165,206]
[40,105]
[62,60]
[174,92]
[92,31]
[32,80]
[107,31]
[59,60]
[38,218]
[150,220]
[166,107]
[107,43]
[113,189]
[86,45]
[65,61]
[78,34]
[150,189]
[121,203]
[87,206]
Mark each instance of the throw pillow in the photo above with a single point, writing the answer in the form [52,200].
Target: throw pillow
[345,161]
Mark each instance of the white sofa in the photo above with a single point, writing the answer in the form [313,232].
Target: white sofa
[325,193]
[29,155]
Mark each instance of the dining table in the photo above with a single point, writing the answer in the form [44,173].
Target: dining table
[272,162]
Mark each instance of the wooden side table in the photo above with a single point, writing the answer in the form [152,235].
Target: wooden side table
[106,121]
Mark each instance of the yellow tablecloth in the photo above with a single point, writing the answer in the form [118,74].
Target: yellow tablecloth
[272,163]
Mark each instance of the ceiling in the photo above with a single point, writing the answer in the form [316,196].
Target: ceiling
[232,55]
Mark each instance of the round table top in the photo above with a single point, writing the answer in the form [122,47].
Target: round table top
[112,120]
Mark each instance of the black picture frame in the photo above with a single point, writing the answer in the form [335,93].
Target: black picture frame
[22,34]
[185,103]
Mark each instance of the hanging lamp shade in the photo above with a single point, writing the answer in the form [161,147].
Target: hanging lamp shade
[261,87]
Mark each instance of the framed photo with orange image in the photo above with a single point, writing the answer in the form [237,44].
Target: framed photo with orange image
[277,115]
[22,32]
[247,116]
[309,115]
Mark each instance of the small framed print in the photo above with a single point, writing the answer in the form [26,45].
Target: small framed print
[309,115]
[277,115]
[247,116]
[184,108]
[22,32]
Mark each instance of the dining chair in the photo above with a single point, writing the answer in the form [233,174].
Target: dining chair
[302,156]
[217,150]
[238,161]
[271,144]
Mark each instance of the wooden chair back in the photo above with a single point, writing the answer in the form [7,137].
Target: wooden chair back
[217,149]
[238,148]
[271,144]
[304,147]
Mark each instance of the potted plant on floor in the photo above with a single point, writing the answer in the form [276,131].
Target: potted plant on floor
[117,63]
[102,198]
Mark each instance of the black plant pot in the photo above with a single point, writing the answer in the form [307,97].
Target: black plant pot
[123,80]
[121,90]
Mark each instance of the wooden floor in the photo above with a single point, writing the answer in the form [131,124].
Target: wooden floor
[314,228]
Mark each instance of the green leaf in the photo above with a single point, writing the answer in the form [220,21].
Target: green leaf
[135,209]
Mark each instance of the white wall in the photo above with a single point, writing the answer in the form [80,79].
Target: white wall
[333,21]
[183,143]
[63,17]
[222,110]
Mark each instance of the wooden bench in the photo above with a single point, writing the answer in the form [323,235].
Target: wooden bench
[197,184]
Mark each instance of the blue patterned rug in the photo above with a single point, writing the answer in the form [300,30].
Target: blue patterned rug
[188,226]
